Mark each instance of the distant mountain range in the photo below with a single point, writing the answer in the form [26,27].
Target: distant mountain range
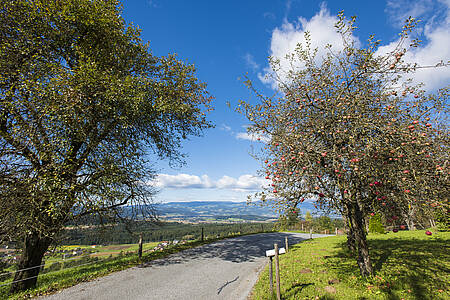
[219,211]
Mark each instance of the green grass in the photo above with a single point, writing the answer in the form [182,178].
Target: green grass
[407,264]
[100,251]
[57,280]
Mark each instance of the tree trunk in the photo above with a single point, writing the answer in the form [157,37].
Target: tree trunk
[409,217]
[410,222]
[412,225]
[351,245]
[357,226]
[33,251]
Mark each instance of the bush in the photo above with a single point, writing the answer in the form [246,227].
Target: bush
[375,225]
[443,220]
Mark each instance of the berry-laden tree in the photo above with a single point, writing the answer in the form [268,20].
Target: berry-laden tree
[83,101]
[348,131]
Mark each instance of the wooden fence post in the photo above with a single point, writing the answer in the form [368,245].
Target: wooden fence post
[271,276]
[202,235]
[286,244]
[140,247]
[336,231]
[277,271]
[310,233]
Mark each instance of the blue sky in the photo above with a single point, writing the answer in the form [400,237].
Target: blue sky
[227,39]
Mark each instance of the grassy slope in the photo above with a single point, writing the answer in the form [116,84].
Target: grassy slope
[54,281]
[408,265]
[101,251]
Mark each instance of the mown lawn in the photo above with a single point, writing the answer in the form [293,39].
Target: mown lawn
[408,265]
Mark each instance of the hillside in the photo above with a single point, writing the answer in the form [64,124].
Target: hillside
[207,211]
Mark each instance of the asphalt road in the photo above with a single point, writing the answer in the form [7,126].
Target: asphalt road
[226,269]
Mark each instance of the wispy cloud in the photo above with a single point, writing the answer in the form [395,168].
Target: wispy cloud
[153,3]
[225,127]
[245,182]
[399,10]
[269,15]
[250,61]
[287,9]
[245,135]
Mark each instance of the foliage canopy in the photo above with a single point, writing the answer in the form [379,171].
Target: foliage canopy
[350,132]
[82,102]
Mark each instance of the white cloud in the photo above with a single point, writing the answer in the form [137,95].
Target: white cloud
[252,137]
[245,135]
[250,182]
[245,182]
[435,32]
[182,181]
[285,40]
[436,39]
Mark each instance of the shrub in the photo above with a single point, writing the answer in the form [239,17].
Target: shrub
[375,225]
[443,220]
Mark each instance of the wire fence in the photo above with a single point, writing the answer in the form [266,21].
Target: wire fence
[74,266]
[8,283]
[39,266]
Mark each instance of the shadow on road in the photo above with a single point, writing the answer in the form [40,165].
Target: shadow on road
[240,249]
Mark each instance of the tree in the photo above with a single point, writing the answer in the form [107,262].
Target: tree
[288,218]
[348,131]
[308,218]
[83,101]
[324,223]
[292,216]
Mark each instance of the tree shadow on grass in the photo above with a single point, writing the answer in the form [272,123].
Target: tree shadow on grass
[414,264]
[295,289]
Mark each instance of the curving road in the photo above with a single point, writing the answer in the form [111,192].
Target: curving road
[226,269]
